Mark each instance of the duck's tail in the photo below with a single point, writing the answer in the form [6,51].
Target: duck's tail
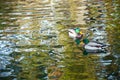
[104,49]
[105,45]
[102,44]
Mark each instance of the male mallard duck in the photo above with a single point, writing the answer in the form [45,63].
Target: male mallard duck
[93,47]
[72,34]
[94,43]
[75,34]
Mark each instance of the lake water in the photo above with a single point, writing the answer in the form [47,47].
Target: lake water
[34,42]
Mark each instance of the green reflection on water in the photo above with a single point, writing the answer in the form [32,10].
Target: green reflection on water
[35,63]
[113,30]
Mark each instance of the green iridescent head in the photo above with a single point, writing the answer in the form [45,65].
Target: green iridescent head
[86,41]
[77,30]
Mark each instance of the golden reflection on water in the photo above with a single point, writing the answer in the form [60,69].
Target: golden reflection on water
[37,28]
[36,33]
[43,49]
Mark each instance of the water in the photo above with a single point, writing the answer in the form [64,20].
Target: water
[34,42]
[103,25]
[31,38]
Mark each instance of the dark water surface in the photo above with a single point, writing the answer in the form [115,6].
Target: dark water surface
[34,42]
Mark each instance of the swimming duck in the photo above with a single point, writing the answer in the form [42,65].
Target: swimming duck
[72,34]
[93,47]
[75,34]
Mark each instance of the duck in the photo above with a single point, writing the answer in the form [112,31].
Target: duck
[75,34]
[93,47]
[72,34]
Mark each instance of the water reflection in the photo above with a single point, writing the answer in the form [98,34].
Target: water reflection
[29,40]
[34,43]
[37,32]
[101,19]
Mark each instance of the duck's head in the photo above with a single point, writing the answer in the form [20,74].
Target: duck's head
[85,41]
[77,30]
